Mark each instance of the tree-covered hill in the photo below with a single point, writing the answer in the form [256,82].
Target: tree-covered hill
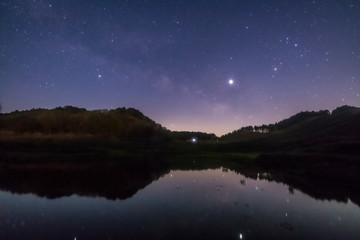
[121,122]
[303,130]
[338,131]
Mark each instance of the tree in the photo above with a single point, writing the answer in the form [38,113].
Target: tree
[344,109]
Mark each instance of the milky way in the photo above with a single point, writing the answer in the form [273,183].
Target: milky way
[211,66]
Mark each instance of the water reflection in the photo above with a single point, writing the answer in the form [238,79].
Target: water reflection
[201,204]
[318,187]
[109,180]
[122,180]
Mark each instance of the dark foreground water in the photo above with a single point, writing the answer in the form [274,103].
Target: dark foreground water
[207,204]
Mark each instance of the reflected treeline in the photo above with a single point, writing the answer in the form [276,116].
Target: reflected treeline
[321,177]
[317,188]
[122,180]
[109,180]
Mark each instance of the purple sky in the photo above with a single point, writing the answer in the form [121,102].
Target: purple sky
[173,60]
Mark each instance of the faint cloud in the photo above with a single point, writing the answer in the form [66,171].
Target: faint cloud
[164,83]
[219,109]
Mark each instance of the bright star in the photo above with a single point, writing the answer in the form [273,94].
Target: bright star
[231,82]
[99,75]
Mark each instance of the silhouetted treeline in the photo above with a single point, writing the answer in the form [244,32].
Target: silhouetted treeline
[131,123]
[121,122]
[345,110]
[299,118]
[187,136]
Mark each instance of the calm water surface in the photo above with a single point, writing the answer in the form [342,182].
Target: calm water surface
[207,204]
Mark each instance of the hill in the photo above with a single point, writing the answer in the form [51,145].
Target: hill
[120,123]
[338,131]
[322,131]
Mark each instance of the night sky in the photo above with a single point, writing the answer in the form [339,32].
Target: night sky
[212,66]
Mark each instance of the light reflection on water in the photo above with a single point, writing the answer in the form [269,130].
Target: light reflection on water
[208,204]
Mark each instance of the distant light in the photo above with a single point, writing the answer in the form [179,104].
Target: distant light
[241,236]
[193,140]
[231,82]
[99,75]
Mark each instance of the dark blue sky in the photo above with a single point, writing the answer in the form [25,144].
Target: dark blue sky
[173,60]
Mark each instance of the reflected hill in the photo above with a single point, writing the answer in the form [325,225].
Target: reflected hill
[122,180]
[109,180]
[313,182]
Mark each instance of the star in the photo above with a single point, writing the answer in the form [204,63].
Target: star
[251,59]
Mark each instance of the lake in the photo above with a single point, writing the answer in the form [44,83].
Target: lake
[181,204]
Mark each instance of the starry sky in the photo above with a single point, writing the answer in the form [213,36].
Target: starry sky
[212,66]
